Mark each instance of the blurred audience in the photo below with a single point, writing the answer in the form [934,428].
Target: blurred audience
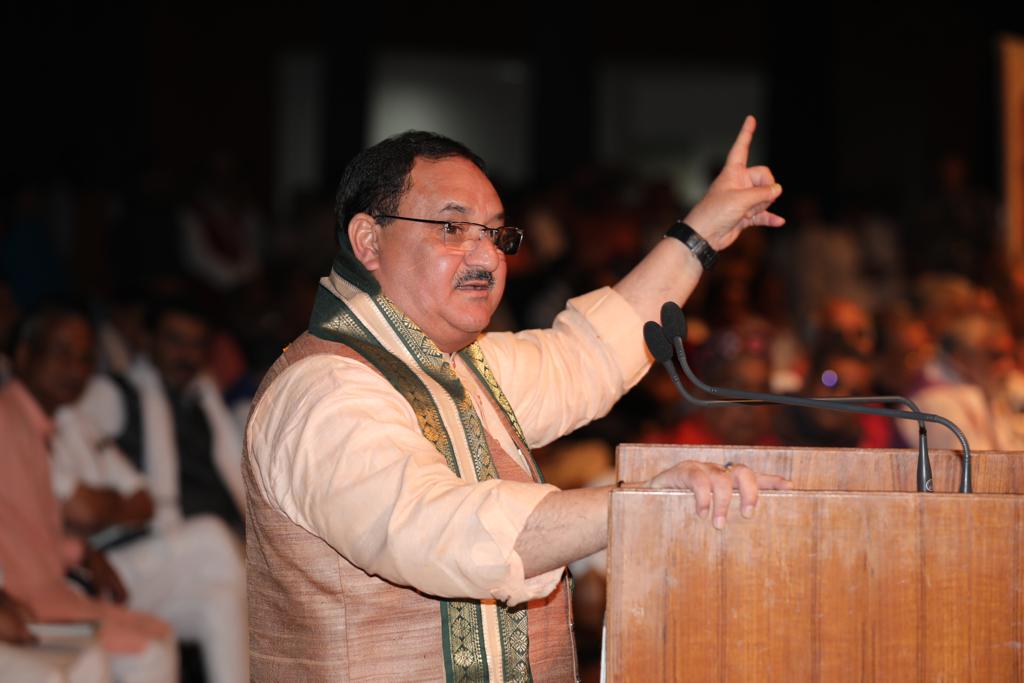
[836,370]
[843,321]
[857,301]
[738,358]
[50,367]
[906,346]
[969,382]
[222,228]
[190,574]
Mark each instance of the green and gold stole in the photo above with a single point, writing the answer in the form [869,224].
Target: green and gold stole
[373,327]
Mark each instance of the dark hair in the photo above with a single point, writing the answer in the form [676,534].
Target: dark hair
[375,180]
[34,328]
[187,304]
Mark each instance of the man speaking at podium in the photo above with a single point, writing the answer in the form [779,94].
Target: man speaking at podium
[397,526]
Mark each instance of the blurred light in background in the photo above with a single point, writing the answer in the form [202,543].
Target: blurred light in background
[676,123]
[482,102]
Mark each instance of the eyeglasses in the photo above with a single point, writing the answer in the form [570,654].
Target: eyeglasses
[463,235]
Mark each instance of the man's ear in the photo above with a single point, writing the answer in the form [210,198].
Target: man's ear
[363,234]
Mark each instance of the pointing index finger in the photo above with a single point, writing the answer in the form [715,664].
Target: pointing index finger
[741,148]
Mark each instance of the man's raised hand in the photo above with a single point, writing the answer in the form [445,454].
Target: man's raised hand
[738,198]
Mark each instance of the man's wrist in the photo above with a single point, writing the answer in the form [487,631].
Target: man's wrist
[693,241]
[703,222]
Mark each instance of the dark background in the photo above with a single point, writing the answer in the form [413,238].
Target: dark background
[860,99]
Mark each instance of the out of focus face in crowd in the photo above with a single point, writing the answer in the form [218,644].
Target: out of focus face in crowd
[996,360]
[981,348]
[839,374]
[738,358]
[56,363]
[909,348]
[744,425]
[180,347]
[849,321]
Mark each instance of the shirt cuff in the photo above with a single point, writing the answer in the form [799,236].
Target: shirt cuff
[617,325]
[517,502]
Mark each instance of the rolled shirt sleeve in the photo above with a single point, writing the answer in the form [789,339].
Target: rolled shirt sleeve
[340,453]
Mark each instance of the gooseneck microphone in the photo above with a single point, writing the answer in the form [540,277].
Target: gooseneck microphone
[661,349]
[674,323]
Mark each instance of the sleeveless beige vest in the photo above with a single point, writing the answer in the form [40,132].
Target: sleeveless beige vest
[313,616]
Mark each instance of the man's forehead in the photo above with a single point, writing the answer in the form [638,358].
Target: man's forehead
[452,187]
[62,327]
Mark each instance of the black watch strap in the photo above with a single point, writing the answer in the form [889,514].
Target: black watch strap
[695,243]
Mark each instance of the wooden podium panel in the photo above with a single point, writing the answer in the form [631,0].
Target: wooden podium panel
[819,585]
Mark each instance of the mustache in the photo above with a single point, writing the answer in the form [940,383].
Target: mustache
[475,276]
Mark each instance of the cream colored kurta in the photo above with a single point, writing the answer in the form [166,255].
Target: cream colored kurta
[336,450]
[349,464]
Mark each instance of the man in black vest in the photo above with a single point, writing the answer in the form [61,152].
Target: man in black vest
[169,417]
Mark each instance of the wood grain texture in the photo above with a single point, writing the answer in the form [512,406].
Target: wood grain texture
[836,469]
[819,586]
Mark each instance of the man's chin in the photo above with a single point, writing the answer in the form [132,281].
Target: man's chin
[472,322]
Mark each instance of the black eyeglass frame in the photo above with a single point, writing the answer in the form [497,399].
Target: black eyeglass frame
[506,238]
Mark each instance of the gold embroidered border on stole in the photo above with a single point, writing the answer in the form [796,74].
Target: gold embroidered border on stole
[461,620]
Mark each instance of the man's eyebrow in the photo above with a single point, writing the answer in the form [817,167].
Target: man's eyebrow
[455,207]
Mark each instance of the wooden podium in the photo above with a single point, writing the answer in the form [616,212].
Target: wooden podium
[852,576]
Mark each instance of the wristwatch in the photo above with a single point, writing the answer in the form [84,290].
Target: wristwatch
[695,243]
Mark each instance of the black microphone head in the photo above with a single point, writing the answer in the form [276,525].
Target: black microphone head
[658,345]
[673,321]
